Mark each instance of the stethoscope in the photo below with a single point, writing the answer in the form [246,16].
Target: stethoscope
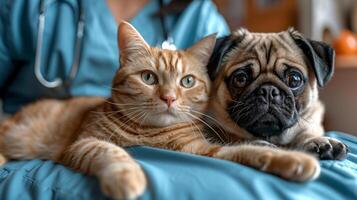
[58,82]
[168,43]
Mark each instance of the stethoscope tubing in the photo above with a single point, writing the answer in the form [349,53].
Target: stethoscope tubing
[38,56]
[57,82]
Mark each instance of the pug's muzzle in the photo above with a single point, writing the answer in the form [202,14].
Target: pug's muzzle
[266,111]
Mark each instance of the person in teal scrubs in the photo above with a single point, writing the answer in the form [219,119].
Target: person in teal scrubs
[171,175]
[99,56]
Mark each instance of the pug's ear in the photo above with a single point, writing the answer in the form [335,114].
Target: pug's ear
[320,55]
[222,47]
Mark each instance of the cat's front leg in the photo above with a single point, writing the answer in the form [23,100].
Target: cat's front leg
[119,174]
[291,165]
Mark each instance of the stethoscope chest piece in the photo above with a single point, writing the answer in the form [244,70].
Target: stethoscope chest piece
[168,44]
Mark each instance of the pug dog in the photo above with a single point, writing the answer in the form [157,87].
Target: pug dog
[265,90]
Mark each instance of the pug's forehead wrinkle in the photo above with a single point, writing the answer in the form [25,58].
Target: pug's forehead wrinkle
[249,43]
[231,67]
[281,40]
[291,63]
[261,79]
[267,49]
[287,43]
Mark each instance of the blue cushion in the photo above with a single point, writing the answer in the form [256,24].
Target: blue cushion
[174,175]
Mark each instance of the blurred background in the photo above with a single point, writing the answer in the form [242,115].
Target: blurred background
[333,21]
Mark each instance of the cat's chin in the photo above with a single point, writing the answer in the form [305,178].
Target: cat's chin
[162,120]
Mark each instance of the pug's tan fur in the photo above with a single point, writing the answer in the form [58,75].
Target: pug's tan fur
[268,52]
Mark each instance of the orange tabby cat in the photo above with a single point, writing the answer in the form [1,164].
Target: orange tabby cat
[157,99]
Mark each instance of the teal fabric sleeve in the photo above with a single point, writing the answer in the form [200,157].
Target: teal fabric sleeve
[174,175]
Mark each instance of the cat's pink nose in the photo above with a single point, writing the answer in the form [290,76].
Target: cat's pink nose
[168,99]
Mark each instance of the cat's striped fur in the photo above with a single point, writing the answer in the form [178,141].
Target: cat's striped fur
[87,133]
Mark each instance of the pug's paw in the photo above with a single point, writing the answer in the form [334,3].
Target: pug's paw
[326,148]
[123,181]
[294,166]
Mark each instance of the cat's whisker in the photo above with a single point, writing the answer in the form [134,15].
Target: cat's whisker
[95,121]
[194,125]
[184,108]
[219,125]
[123,110]
[144,118]
[124,104]
[238,102]
[209,117]
[128,112]
[199,130]
[209,126]
[129,116]
[141,117]
[109,114]
[135,117]
[221,133]
[105,116]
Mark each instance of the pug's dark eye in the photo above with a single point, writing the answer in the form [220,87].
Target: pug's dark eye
[240,79]
[294,79]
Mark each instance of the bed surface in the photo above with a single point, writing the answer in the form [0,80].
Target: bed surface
[174,175]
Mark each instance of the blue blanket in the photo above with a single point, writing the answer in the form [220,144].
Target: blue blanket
[174,175]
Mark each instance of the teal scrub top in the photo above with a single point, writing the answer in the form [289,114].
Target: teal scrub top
[99,52]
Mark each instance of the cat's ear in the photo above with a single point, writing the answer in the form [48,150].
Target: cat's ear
[203,49]
[130,42]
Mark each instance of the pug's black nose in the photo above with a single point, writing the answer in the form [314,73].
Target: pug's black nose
[270,93]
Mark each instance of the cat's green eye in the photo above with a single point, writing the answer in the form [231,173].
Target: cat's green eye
[149,77]
[188,81]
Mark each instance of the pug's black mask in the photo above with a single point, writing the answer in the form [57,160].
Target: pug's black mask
[264,108]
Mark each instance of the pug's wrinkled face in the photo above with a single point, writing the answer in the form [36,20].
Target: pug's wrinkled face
[265,82]
[267,93]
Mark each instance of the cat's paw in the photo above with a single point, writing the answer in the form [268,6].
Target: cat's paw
[295,166]
[326,148]
[123,181]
